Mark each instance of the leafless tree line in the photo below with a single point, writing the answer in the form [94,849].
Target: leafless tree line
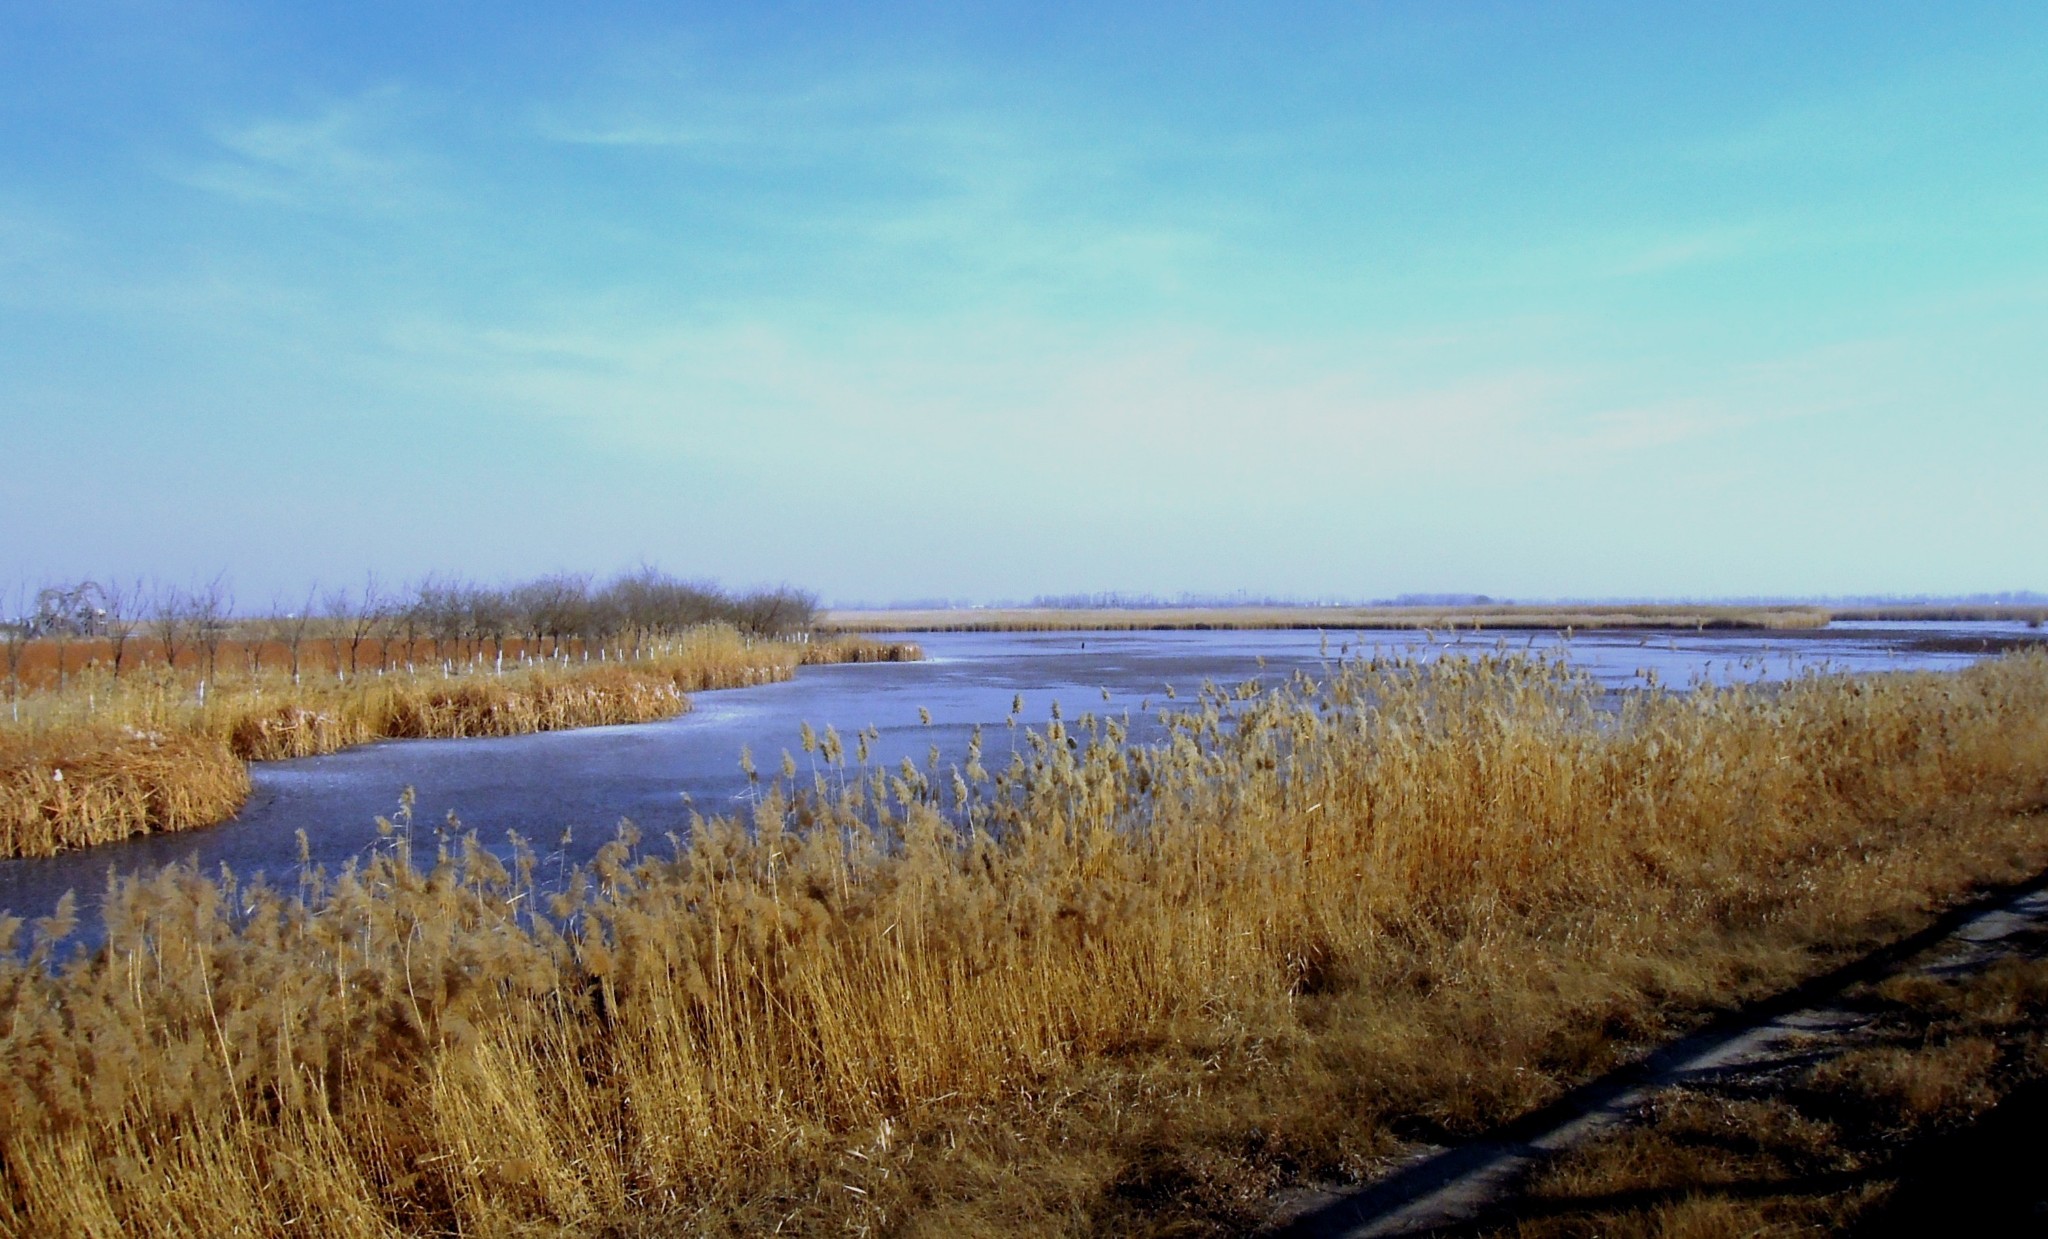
[453,618]
[111,614]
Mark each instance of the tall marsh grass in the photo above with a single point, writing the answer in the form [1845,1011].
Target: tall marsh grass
[165,748]
[792,1020]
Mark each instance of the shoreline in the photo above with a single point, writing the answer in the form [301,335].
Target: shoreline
[78,785]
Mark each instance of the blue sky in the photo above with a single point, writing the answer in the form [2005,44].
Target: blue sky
[978,301]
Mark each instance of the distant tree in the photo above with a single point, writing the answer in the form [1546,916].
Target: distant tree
[488,615]
[287,625]
[123,606]
[169,622]
[255,639]
[552,608]
[211,607]
[337,608]
[776,612]
[16,630]
[408,619]
[440,604]
[364,619]
[651,603]
[569,608]
[602,619]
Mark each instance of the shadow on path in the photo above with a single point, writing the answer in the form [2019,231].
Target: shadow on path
[1991,1179]
[1445,1192]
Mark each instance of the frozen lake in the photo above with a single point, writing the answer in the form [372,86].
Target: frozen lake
[655,774]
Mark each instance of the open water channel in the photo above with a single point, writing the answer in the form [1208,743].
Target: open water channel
[567,791]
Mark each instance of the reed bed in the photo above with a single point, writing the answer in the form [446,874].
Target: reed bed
[950,1001]
[1439,619]
[77,788]
[2031,614]
[164,748]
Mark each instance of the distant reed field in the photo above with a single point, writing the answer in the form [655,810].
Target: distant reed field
[1073,988]
[1440,619]
[164,745]
[2033,616]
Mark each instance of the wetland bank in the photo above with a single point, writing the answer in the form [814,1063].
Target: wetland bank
[1092,970]
[133,712]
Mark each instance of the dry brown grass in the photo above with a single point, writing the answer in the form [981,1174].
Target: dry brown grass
[1439,619]
[1141,988]
[1827,1147]
[2032,615]
[159,748]
[75,788]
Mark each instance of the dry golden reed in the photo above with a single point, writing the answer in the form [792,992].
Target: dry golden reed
[760,1026]
[159,749]
[78,788]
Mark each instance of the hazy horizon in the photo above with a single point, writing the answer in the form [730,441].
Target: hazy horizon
[2019,598]
[899,302]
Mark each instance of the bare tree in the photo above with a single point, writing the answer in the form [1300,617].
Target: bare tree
[554,607]
[364,620]
[211,606]
[339,611]
[488,616]
[287,626]
[123,604]
[16,631]
[776,612]
[439,613]
[408,617]
[411,618]
[601,617]
[169,621]
[255,636]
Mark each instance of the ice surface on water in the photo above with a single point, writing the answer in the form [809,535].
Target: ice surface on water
[657,773]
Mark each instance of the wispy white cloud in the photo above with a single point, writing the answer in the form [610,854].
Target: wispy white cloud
[1936,101]
[929,173]
[1138,416]
[1821,131]
[633,134]
[864,114]
[1655,428]
[342,157]
[1700,247]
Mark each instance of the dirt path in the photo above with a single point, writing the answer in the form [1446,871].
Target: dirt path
[1453,1187]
